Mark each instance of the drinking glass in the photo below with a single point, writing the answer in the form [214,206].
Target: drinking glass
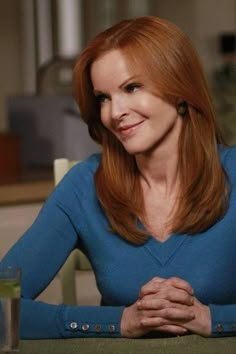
[10,291]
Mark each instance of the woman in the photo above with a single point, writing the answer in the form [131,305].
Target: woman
[155,212]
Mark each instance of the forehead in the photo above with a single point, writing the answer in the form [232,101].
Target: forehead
[112,65]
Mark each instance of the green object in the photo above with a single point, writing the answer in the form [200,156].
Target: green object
[191,344]
[9,288]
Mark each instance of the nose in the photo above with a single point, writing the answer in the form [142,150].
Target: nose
[118,107]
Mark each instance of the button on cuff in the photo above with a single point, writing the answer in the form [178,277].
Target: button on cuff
[222,320]
[219,328]
[90,328]
[73,326]
[85,327]
[98,328]
[111,328]
[104,328]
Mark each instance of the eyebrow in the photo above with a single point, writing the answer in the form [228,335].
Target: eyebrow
[126,81]
[97,92]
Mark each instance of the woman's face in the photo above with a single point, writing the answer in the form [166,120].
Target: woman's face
[142,121]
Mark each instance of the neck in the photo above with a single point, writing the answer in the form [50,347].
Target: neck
[159,171]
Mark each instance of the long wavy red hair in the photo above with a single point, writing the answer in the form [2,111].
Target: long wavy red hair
[171,65]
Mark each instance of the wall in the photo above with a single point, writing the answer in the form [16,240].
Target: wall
[14,221]
[201,19]
[212,17]
[10,58]
[181,14]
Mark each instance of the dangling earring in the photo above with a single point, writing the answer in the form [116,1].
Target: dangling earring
[182,108]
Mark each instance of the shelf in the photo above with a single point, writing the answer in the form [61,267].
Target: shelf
[25,192]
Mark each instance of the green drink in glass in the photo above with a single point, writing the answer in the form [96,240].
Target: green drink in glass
[10,291]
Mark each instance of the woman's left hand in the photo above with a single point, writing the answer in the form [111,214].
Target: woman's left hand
[149,300]
[201,324]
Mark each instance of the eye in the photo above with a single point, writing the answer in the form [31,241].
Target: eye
[132,87]
[101,98]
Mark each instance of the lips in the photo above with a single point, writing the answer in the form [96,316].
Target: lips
[129,127]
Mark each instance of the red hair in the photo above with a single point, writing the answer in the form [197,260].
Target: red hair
[171,65]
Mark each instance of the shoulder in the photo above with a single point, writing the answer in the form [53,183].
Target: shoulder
[81,175]
[78,183]
[88,165]
[228,160]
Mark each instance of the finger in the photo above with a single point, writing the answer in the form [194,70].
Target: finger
[155,322]
[151,287]
[177,295]
[176,314]
[157,283]
[174,329]
[180,284]
[149,302]
[163,297]
[183,314]
[157,279]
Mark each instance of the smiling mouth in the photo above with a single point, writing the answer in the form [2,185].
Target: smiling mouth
[128,129]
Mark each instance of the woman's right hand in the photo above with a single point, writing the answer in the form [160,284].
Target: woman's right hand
[170,305]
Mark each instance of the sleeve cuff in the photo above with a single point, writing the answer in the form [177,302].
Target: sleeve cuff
[223,320]
[90,321]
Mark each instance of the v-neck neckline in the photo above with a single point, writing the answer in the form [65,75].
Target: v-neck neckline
[163,251]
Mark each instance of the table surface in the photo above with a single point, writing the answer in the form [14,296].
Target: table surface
[191,344]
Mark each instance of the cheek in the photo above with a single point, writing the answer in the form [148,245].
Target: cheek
[105,116]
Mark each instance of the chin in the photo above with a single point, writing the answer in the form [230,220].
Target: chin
[133,151]
[135,147]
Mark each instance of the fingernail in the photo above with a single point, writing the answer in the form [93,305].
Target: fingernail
[183,331]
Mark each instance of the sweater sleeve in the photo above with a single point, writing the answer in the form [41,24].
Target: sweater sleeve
[223,317]
[40,253]
[223,320]
[41,321]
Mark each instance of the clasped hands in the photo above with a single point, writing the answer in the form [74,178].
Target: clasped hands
[166,305]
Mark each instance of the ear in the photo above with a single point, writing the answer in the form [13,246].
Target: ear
[182,108]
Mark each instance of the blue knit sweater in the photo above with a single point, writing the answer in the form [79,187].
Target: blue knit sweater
[72,217]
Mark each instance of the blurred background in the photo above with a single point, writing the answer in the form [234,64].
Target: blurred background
[39,120]
[39,41]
